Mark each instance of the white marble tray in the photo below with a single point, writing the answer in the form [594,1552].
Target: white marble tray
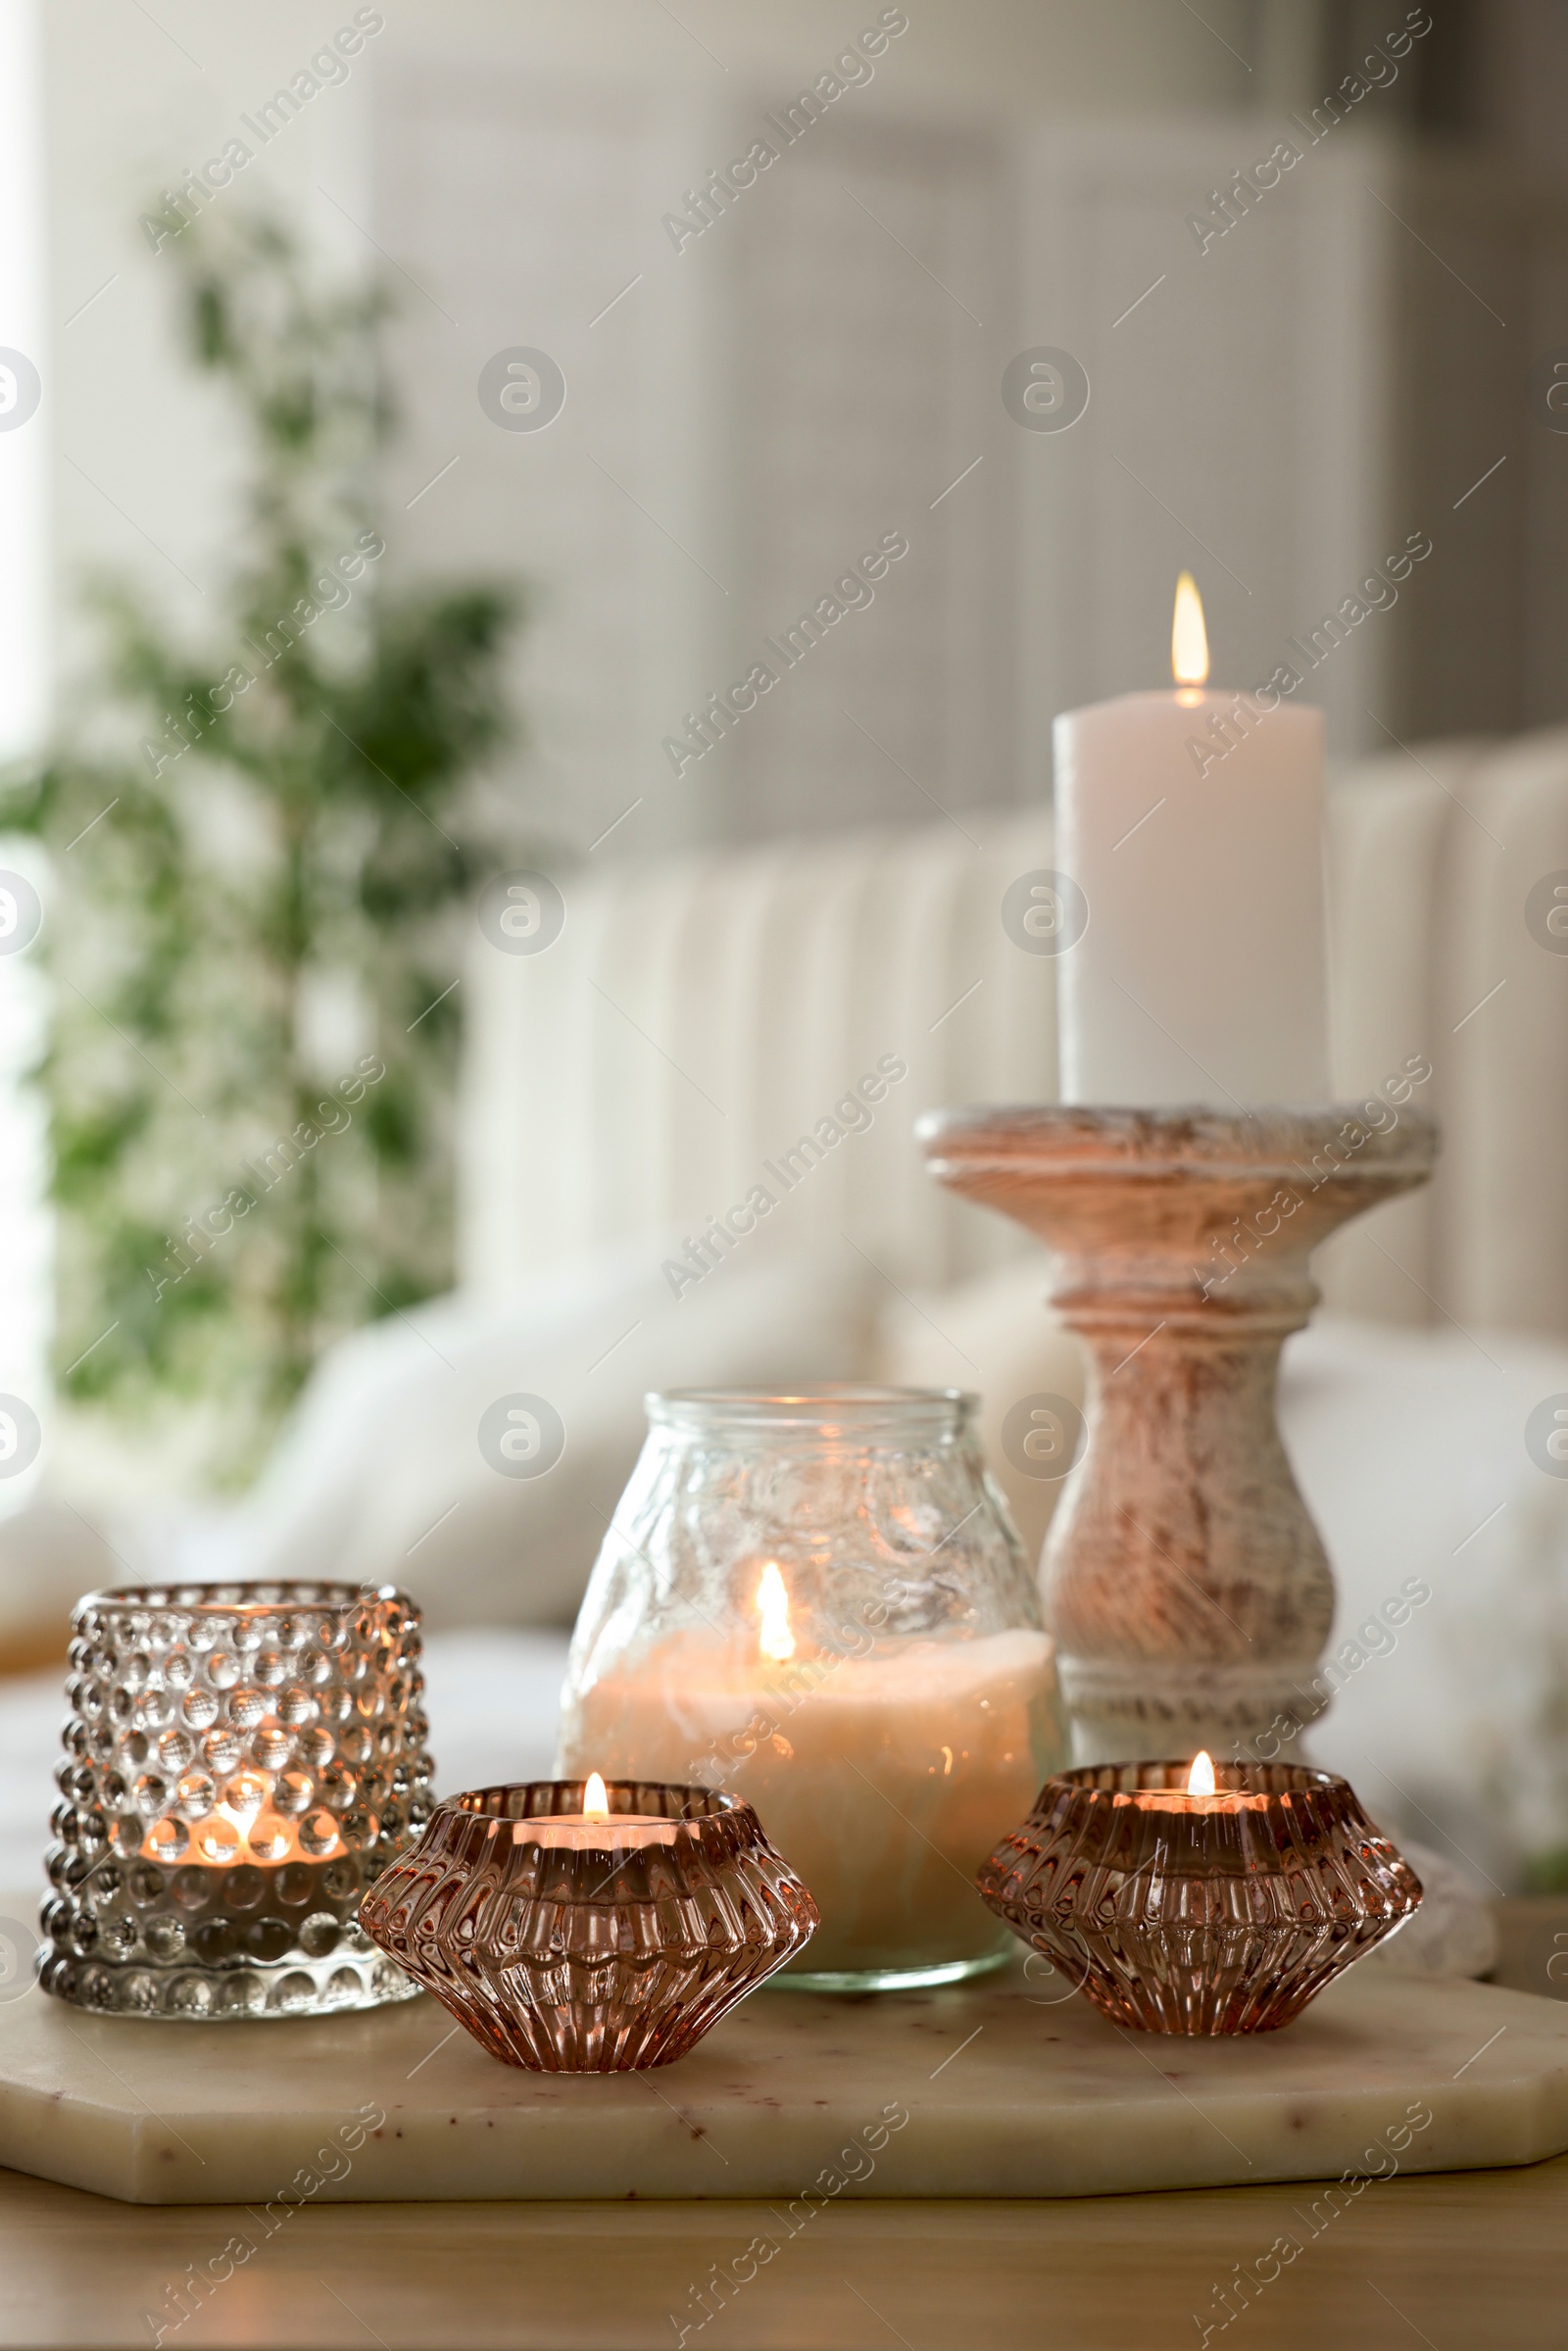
[981,2091]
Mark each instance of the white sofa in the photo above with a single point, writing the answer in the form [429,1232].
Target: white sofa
[696,1014]
[694,1020]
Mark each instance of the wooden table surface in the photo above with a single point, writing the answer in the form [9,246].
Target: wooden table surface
[1461,2261]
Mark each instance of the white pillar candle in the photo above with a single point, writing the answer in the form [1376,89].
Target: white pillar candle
[1192,821]
[883,1780]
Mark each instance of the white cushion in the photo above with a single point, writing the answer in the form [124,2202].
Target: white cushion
[380,1476]
[1409,1448]
[996,1334]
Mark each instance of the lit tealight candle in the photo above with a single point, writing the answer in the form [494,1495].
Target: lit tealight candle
[596,1829]
[1201,1795]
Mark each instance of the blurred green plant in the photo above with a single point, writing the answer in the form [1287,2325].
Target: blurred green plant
[260,842]
[1546,1873]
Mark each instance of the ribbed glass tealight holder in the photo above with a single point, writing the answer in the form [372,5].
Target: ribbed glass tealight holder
[1198,1913]
[591,1948]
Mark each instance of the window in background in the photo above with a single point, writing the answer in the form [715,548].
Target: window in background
[24,631]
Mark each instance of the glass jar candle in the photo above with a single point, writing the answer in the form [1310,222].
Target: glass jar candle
[818,1602]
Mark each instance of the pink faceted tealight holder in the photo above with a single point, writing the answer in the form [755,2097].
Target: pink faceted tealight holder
[1198,1898]
[585,1927]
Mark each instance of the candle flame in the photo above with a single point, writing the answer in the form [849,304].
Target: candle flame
[1189,638]
[775,1640]
[1201,1778]
[595,1800]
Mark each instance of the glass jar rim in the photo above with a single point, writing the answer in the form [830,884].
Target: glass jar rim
[826,1410]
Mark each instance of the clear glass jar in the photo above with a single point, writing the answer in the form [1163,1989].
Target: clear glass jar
[818,1602]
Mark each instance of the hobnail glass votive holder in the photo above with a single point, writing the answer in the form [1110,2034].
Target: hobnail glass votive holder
[241,1761]
[1198,1913]
[593,1954]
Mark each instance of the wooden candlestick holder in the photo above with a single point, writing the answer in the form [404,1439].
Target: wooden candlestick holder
[1188,1589]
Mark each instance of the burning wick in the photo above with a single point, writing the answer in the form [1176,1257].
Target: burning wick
[1189,642]
[1201,1778]
[775,1640]
[596,1804]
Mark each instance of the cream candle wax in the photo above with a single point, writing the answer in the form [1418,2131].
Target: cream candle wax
[816,1601]
[1192,821]
[881,1777]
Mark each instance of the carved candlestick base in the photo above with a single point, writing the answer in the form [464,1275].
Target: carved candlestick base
[1185,1585]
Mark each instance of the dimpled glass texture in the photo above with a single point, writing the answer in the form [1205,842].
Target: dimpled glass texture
[241,1761]
[598,1961]
[1200,1916]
